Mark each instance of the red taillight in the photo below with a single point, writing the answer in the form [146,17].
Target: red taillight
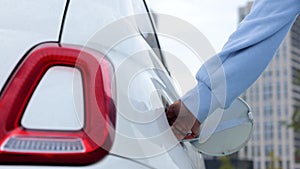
[20,145]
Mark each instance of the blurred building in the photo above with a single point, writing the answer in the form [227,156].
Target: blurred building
[243,11]
[274,98]
[235,162]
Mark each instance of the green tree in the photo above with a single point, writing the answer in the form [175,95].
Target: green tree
[297,155]
[225,163]
[274,160]
[295,124]
[296,120]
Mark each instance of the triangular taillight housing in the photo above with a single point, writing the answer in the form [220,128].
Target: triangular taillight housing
[23,146]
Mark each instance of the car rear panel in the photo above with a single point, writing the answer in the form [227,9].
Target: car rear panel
[83,27]
[23,24]
[110,161]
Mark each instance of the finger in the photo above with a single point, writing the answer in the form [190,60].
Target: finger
[189,136]
[171,121]
[170,116]
[178,133]
[196,128]
[192,123]
[172,112]
[174,109]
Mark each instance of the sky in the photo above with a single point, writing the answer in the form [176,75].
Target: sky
[216,19]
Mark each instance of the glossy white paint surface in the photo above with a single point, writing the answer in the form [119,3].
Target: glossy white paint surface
[109,162]
[24,24]
[149,142]
[142,131]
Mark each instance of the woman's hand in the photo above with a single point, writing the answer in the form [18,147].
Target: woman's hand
[183,123]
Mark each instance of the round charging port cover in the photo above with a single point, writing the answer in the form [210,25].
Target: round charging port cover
[225,131]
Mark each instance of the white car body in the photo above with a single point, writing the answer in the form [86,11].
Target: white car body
[28,23]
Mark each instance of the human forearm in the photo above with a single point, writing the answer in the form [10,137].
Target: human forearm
[243,58]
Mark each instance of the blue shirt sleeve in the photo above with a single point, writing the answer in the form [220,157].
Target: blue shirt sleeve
[244,57]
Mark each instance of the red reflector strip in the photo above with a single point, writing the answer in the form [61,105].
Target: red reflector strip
[19,145]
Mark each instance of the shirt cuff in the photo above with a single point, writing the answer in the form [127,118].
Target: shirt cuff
[200,101]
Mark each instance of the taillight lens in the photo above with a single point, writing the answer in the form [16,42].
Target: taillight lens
[20,145]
